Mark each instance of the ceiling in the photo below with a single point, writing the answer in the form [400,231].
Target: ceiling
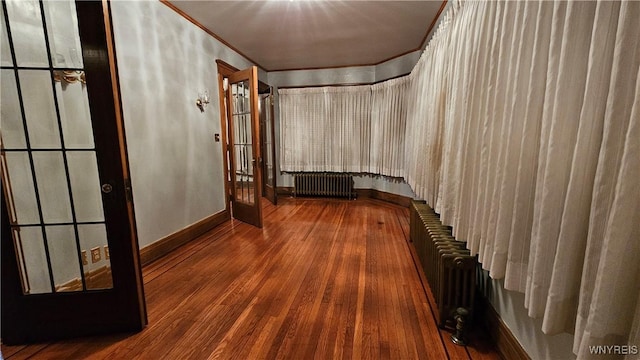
[309,34]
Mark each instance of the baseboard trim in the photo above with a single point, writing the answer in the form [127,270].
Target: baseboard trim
[362,193]
[94,279]
[169,243]
[284,190]
[384,196]
[507,346]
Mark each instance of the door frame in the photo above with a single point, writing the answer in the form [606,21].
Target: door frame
[57,315]
[249,212]
[224,71]
[268,192]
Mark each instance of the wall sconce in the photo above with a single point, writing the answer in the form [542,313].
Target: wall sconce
[202,100]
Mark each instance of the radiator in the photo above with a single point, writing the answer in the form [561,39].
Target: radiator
[448,267]
[324,184]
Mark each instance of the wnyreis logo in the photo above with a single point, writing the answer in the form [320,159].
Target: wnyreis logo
[613,349]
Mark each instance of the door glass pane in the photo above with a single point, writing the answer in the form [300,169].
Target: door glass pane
[73,103]
[97,270]
[5,52]
[61,241]
[50,168]
[62,27]
[52,187]
[268,156]
[29,242]
[39,108]
[85,186]
[11,119]
[243,142]
[21,191]
[27,32]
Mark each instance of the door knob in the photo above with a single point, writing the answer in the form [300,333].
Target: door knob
[107,188]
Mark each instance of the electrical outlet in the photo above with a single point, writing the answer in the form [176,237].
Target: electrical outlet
[84,258]
[95,255]
[106,252]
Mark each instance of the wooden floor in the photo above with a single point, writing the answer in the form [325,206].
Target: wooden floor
[324,279]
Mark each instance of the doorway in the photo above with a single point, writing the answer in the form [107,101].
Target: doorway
[246,105]
[267,142]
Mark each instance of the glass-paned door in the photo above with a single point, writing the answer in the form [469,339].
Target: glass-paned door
[268,146]
[244,149]
[64,196]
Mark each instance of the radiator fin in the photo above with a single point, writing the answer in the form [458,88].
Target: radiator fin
[323,184]
[448,266]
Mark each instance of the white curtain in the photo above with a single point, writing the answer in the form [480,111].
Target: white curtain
[358,129]
[388,124]
[325,129]
[522,132]
[520,126]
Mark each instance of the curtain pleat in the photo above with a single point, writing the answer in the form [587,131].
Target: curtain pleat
[561,121]
[562,301]
[358,129]
[611,260]
[519,125]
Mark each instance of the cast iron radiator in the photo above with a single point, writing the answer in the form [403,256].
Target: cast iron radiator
[324,184]
[448,267]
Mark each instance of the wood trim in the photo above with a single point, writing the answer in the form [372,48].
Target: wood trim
[329,67]
[211,33]
[284,190]
[505,343]
[169,243]
[384,196]
[101,275]
[433,23]
[355,65]
[225,68]
[327,85]
[362,193]
[344,84]
[274,154]
[224,113]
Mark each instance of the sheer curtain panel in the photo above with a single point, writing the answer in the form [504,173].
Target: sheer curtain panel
[325,129]
[357,129]
[522,131]
[520,125]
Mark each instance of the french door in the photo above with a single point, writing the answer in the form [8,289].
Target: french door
[244,146]
[70,263]
[267,131]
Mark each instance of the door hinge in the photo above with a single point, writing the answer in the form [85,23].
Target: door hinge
[127,190]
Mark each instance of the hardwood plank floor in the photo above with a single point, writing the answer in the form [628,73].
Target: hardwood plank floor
[324,279]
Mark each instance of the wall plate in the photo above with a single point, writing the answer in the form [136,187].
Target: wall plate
[95,255]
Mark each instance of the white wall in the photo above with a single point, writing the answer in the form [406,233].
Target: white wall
[510,306]
[176,167]
[399,66]
[323,77]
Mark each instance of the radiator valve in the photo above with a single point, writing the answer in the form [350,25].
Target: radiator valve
[459,337]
